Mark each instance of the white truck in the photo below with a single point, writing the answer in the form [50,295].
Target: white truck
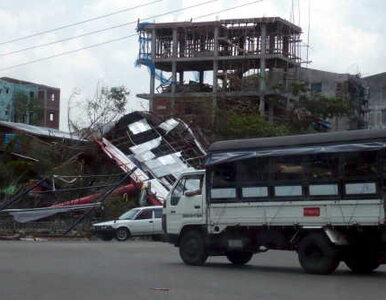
[322,195]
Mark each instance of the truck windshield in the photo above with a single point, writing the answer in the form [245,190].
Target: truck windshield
[129,215]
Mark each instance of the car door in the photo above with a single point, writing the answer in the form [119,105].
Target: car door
[143,223]
[186,203]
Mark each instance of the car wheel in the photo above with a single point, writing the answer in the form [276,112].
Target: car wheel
[317,255]
[239,257]
[122,234]
[192,248]
[361,261]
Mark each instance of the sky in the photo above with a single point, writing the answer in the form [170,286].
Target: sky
[345,36]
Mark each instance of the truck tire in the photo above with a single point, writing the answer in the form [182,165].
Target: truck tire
[361,261]
[239,257]
[192,248]
[317,255]
[122,234]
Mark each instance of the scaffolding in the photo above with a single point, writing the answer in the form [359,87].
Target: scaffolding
[255,58]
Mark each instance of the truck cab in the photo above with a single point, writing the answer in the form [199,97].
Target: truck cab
[185,205]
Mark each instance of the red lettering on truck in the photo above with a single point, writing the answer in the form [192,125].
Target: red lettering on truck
[311,211]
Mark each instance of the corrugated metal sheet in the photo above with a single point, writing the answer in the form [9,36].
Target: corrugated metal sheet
[41,131]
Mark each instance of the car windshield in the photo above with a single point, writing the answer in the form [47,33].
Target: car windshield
[129,215]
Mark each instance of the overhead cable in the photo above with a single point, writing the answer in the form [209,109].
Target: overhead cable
[123,37]
[79,23]
[104,29]
[68,52]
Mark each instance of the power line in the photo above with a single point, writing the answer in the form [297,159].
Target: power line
[227,9]
[79,23]
[68,52]
[104,29]
[120,38]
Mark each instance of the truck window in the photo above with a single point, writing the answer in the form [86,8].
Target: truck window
[288,168]
[177,192]
[363,164]
[321,167]
[193,185]
[224,175]
[187,186]
[252,171]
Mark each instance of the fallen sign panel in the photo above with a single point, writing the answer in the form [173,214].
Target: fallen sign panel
[33,214]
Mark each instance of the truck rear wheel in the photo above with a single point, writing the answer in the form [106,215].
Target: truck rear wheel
[239,257]
[317,255]
[361,261]
[192,248]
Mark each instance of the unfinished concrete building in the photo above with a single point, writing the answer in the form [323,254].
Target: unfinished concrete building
[245,64]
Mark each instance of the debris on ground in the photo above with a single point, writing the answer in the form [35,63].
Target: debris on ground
[155,151]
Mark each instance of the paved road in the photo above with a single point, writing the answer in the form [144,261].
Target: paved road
[149,270]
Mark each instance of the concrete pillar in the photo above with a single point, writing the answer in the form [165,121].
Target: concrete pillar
[201,76]
[152,74]
[262,67]
[174,70]
[215,71]
[286,46]
[271,44]
[181,77]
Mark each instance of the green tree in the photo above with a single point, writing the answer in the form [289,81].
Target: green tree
[234,125]
[311,109]
[308,114]
[108,105]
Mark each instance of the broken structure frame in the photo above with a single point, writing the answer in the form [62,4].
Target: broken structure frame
[234,50]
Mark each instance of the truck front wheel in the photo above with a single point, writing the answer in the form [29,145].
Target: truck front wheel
[193,249]
[317,255]
[239,257]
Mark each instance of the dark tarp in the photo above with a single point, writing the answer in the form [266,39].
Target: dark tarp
[229,156]
[315,139]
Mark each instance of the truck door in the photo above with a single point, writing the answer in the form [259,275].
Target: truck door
[186,203]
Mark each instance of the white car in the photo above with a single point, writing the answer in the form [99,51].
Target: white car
[138,221]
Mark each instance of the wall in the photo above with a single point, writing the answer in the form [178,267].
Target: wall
[377,100]
[6,92]
[49,98]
